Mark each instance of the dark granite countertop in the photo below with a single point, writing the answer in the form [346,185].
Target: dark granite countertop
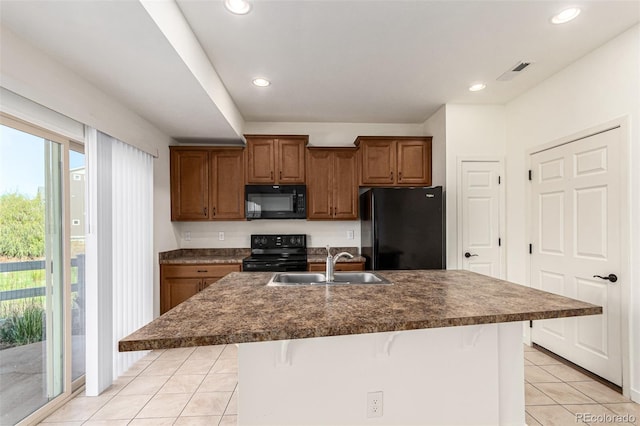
[241,308]
[235,255]
[214,255]
[319,254]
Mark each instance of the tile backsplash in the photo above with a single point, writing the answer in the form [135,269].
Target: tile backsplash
[238,233]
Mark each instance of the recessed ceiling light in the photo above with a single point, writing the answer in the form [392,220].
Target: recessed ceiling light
[566,15]
[239,7]
[477,86]
[261,82]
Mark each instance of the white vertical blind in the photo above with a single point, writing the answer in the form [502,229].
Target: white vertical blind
[132,246]
[119,268]
[98,269]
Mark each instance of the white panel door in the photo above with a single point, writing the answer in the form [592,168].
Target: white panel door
[576,236]
[480,194]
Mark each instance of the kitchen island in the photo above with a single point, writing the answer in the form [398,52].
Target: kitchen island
[444,347]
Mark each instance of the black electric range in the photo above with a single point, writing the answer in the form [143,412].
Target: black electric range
[277,253]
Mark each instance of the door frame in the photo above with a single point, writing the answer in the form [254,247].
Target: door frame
[625,229]
[501,206]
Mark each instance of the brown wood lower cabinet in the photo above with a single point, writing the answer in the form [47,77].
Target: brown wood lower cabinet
[180,282]
[340,266]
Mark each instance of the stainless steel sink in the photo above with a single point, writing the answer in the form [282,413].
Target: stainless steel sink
[297,278]
[311,278]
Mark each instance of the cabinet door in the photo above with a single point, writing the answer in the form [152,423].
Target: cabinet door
[378,162]
[340,266]
[319,184]
[414,162]
[350,266]
[345,185]
[317,267]
[290,160]
[219,271]
[176,290]
[207,282]
[227,185]
[189,185]
[261,164]
[216,272]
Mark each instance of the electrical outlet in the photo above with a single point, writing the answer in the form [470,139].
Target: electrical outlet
[374,404]
[221,235]
[350,234]
[187,236]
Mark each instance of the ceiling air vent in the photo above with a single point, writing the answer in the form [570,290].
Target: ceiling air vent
[514,71]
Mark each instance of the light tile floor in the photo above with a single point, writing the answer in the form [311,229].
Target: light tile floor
[198,386]
[556,394]
[190,386]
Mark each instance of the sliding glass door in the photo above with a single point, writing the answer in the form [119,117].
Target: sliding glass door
[34,300]
[54,271]
[77,211]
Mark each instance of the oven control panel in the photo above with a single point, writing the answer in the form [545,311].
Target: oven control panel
[270,241]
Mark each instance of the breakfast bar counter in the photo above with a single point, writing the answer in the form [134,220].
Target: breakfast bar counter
[240,308]
[411,353]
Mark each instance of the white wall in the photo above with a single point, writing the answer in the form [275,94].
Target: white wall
[471,131]
[602,86]
[27,71]
[436,126]
[321,233]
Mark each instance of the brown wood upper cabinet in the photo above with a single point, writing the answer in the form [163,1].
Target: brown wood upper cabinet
[394,161]
[275,159]
[332,183]
[207,183]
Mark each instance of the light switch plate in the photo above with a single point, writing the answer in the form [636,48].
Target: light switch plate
[221,235]
[350,234]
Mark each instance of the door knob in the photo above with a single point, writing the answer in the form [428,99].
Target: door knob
[611,277]
[468,255]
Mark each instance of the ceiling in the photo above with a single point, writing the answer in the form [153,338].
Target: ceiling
[329,61]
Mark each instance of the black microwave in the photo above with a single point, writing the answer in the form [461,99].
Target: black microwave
[275,201]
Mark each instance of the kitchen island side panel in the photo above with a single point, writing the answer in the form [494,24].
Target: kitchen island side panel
[425,377]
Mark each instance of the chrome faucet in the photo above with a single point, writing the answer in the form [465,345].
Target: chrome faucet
[331,263]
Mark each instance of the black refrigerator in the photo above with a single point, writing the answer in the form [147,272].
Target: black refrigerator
[403,228]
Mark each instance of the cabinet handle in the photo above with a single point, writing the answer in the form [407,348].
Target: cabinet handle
[214,211]
[280,175]
[202,270]
[391,176]
[272,175]
[400,175]
[205,211]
